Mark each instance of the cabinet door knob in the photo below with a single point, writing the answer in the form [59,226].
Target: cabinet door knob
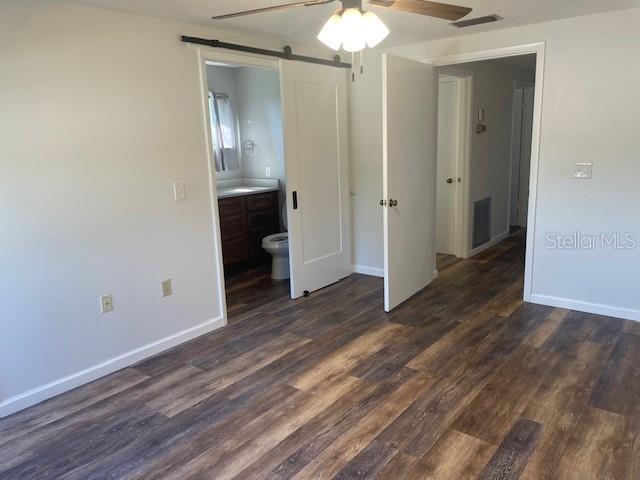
[383,203]
[392,202]
[449,180]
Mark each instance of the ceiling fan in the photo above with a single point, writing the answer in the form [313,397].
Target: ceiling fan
[354,29]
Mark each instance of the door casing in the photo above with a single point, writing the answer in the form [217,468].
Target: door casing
[538,48]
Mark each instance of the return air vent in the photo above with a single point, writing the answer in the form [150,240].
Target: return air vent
[481,222]
[477,21]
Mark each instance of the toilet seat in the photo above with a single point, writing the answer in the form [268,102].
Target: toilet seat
[277,240]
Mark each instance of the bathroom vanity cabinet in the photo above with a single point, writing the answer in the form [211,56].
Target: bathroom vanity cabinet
[244,221]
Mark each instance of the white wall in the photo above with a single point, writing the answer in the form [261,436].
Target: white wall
[260,113]
[99,113]
[589,113]
[493,84]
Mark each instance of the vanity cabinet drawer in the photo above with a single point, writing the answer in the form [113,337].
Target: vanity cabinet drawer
[235,251]
[260,200]
[233,226]
[231,206]
[261,220]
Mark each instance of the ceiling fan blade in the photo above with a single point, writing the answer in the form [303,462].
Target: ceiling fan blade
[424,7]
[305,3]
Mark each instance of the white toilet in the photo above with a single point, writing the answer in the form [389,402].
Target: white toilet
[277,246]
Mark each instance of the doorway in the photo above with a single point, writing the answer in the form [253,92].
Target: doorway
[276,145]
[497,166]
[477,210]
[245,120]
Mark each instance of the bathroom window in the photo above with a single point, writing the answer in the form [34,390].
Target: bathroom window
[224,132]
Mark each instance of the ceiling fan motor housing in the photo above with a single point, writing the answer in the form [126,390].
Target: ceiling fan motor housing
[352,4]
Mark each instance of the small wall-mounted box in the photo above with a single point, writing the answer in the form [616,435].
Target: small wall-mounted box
[583,170]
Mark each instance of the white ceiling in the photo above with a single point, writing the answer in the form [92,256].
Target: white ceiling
[300,26]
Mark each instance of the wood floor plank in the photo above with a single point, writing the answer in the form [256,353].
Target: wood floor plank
[207,383]
[63,406]
[559,404]
[251,441]
[297,456]
[398,467]
[352,442]
[512,455]
[347,357]
[545,329]
[600,447]
[618,388]
[456,456]
[496,408]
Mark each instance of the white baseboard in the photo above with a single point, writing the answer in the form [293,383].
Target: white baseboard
[374,272]
[44,392]
[485,246]
[580,306]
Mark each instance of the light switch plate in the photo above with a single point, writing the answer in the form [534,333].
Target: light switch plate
[167,288]
[583,171]
[106,304]
[179,191]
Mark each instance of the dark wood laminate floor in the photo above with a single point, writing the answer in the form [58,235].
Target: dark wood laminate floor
[463,381]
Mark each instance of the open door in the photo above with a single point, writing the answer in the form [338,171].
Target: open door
[409,160]
[314,106]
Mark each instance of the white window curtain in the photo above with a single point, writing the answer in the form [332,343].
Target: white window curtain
[224,132]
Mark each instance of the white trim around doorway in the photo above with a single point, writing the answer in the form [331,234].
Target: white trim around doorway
[211,56]
[539,49]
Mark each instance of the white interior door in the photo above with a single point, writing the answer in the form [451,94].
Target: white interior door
[525,155]
[314,106]
[449,131]
[409,163]
[516,141]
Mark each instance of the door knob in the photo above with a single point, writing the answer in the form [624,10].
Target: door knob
[383,203]
[449,180]
[392,202]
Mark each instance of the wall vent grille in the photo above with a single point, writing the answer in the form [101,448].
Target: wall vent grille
[481,222]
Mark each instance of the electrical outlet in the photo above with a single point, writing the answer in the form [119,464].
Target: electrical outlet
[106,304]
[267,172]
[179,191]
[167,288]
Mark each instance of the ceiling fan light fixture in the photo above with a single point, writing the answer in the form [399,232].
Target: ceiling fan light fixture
[331,33]
[353,30]
[375,30]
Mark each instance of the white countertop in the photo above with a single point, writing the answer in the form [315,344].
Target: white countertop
[237,187]
[243,190]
